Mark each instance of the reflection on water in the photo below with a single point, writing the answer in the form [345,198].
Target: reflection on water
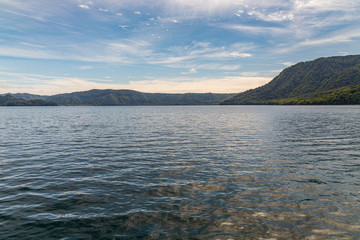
[210,172]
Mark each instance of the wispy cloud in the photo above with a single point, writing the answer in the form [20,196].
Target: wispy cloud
[335,38]
[127,49]
[124,51]
[253,29]
[200,51]
[27,52]
[38,18]
[133,51]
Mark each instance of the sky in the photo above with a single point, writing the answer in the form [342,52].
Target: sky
[168,46]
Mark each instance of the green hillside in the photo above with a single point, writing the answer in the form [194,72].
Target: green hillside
[8,100]
[306,83]
[345,95]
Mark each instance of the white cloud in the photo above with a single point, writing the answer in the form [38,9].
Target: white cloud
[297,19]
[179,8]
[83,6]
[287,64]
[191,71]
[124,27]
[239,13]
[226,55]
[328,5]
[272,16]
[228,67]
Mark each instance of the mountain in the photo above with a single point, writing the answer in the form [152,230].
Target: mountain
[27,96]
[305,82]
[130,98]
[8,100]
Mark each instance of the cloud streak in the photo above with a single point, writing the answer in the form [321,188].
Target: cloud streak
[132,51]
[337,38]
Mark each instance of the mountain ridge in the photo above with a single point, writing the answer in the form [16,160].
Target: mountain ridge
[125,97]
[304,80]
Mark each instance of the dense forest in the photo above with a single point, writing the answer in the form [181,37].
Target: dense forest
[332,80]
[129,98]
[346,95]
[8,100]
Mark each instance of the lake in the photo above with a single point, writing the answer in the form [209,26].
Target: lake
[180,172]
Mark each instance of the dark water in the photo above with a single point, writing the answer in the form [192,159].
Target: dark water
[210,172]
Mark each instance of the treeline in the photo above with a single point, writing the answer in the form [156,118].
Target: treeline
[347,95]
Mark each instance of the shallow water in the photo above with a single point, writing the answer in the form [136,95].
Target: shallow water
[194,172]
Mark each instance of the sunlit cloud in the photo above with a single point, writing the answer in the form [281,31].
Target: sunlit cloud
[40,84]
[84,6]
[232,84]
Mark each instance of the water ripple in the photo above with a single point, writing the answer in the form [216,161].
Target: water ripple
[180,172]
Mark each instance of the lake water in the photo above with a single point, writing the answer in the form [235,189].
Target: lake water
[181,172]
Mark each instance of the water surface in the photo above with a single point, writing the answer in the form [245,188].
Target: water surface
[194,172]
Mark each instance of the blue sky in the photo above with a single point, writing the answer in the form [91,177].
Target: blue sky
[175,46]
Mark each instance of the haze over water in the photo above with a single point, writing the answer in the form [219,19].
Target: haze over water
[199,172]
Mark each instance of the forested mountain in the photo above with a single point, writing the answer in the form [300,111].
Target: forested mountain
[305,82]
[27,96]
[8,100]
[130,98]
